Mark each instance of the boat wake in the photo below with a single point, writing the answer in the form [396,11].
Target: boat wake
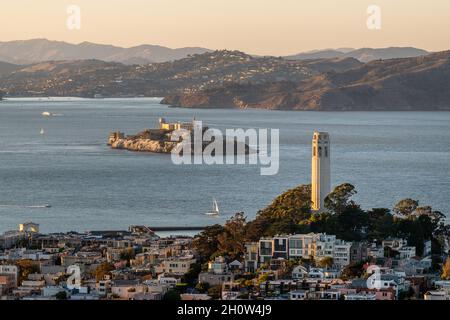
[25,206]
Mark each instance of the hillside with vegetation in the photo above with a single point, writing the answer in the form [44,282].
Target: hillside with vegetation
[233,79]
[291,213]
[419,83]
[87,78]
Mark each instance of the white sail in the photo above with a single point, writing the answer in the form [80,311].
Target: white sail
[215,206]
[215,209]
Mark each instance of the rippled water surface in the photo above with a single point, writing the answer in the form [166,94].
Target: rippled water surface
[386,155]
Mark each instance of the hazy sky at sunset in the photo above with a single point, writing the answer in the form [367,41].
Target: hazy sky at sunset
[275,27]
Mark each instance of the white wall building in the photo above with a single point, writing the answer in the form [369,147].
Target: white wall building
[175,266]
[315,245]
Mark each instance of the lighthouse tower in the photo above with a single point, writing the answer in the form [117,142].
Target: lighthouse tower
[321,171]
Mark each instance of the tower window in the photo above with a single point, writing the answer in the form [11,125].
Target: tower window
[314,151]
[326,152]
[320,151]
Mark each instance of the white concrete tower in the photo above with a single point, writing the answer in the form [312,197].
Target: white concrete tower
[321,171]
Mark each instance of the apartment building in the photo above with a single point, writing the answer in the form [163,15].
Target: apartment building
[317,246]
[251,257]
[175,266]
[8,278]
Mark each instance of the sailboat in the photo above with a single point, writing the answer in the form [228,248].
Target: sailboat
[42,131]
[215,209]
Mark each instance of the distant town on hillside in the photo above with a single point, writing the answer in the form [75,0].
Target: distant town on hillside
[342,79]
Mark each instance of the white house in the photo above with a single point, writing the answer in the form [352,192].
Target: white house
[175,266]
[126,289]
[298,295]
[299,272]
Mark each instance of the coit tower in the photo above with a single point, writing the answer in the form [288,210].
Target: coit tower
[321,171]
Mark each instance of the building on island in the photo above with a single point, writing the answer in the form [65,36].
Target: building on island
[114,136]
[29,227]
[321,171]
[164,125]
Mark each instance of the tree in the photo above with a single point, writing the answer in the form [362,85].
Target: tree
[282,226]
[257,228]
[294,204]
[172,295]
[339,199]
[248,284]
[192,275]
[202,287]
[326,262]
[263,278]
[351,223]
[26,267]
[284,215]
[380,224]
[215,292]
[406,207]
[446,270]
[127,254]
[322,222]
[62,295]
[352,271]
[206,243]
[102,270]
[231,241]
[181,287]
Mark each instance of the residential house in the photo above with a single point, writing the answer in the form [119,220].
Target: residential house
[251,257]
[175,265]
[126,289]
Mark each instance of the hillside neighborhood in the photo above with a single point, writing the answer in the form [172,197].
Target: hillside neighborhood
[138,265]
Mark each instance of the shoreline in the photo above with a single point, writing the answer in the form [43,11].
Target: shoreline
[75,99]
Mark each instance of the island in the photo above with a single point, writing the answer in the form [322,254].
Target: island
[162,139]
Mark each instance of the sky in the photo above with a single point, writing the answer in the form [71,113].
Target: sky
[255,26]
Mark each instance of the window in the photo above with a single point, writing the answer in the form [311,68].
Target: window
[320,151]
[314,151]
[326,152]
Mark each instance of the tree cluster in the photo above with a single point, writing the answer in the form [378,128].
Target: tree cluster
[291,213]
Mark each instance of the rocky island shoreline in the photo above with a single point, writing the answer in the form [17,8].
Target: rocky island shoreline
[161,140]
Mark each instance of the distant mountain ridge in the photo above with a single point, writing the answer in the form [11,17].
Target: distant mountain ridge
[363,54]
[39,50]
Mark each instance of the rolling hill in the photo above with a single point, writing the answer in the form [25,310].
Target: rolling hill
[420,83]
[363,55]
[87,78]
[233,79]
[40,50]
